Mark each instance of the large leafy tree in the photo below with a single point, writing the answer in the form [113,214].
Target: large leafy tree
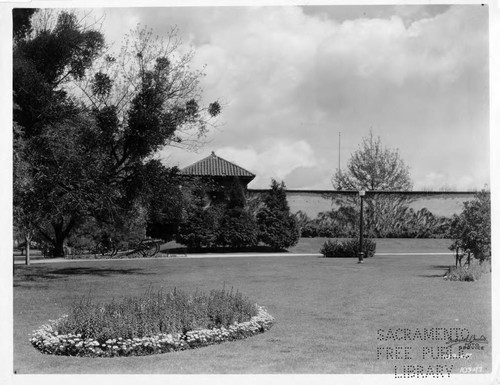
[70,181]
[44,59]
[374,167]
[90,148]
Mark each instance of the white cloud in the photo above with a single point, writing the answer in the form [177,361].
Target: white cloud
[309,178]
[417,75]
[275,161]
[432,179]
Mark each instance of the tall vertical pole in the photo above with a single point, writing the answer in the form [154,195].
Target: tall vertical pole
[338,169]
[361,196]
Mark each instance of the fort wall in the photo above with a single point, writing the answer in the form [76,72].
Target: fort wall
[313,202]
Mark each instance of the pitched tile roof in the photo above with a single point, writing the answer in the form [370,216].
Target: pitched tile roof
[213,165]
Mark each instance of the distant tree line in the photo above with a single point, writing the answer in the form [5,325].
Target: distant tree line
[403,222]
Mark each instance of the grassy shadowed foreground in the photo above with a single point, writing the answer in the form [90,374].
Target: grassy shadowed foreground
[330,313]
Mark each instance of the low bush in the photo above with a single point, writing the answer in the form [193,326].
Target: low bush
[471,229]
[155,313]
[153,323]
[468,273]
[347,248]
[400,222]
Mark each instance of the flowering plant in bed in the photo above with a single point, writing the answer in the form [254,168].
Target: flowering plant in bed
[153,323]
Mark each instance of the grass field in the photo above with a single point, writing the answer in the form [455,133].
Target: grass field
[327,311]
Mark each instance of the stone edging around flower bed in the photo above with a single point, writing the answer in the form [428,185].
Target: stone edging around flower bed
[48,341]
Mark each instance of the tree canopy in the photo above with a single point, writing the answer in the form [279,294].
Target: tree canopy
[88,124]
[44,60]
[374,167]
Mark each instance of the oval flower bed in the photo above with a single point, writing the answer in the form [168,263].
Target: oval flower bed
[48,340]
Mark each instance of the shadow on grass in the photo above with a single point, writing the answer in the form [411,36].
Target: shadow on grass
[432,275]
[25,276]
[443,268]
[223,250]
[95,271]
[440,267]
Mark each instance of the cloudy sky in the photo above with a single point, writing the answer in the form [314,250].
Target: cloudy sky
[293,77]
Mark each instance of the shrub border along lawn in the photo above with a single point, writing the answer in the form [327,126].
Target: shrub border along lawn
[467,273]
[47,340]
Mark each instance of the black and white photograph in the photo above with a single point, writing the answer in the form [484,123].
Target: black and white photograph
[250,189]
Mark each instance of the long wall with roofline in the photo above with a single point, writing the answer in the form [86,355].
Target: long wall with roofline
[312,202]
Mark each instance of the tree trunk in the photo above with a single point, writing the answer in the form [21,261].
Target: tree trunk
[60,234]
[27,238]
[59,243]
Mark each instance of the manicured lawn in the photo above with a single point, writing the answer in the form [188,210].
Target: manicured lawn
[327,311]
